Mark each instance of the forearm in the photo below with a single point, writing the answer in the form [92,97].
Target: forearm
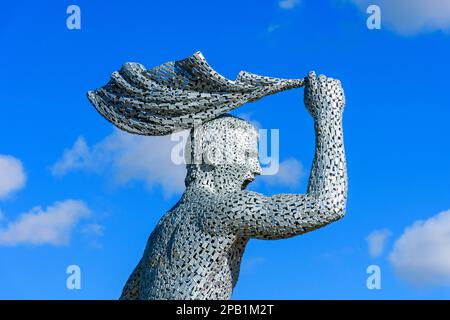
[328,180]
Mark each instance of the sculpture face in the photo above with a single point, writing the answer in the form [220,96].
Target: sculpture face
[252,165]
[224,151]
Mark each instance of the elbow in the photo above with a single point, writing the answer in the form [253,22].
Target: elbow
[340,213]
[339,206]
[335,213]
[333,208]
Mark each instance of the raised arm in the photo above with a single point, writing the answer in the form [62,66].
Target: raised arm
[286,215]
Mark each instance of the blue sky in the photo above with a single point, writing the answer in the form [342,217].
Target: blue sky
[107,193]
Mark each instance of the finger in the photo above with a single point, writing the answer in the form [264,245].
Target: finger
[333,80]
[337,84]
[312,80]
[322,78]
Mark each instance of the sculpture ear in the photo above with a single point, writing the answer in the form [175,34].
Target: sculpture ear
[210,156]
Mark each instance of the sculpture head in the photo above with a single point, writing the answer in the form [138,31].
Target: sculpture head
[222,154]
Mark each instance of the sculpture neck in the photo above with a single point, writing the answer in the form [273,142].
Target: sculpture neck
[215,180]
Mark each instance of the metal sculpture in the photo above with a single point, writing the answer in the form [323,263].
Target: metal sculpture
[195,250]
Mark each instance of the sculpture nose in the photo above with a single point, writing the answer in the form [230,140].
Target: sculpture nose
[258,169]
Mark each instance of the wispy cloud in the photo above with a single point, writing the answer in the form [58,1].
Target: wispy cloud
[12,175]
[421,255]
[72,158]
[127,157]
[376,241]
[288,4]
[93,229]
[273,27]
[290,174]
[52,225]
[252,264]
[413,16]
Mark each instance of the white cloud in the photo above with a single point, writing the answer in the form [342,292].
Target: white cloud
[288,4]
[52,225]
[376,241]
[289,174]
[126,158]
[73,158]
[12,175]
[421,255]
[411,16]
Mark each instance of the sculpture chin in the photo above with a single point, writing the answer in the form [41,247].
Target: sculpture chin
[246,183]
